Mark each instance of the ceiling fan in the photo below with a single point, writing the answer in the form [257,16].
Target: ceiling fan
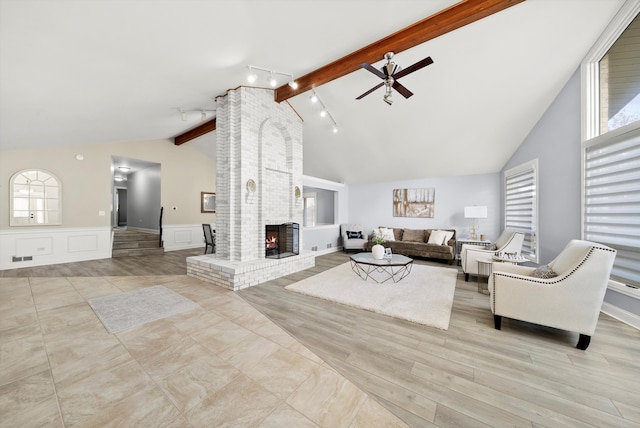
[390,73]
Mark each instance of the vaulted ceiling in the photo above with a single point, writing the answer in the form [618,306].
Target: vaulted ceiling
[82,72]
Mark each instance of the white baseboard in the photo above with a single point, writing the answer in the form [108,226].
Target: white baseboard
[327,251]
[620,314]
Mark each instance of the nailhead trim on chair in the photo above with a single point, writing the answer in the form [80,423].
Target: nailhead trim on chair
[549,281]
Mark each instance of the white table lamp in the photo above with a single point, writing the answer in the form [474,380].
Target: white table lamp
[475,212]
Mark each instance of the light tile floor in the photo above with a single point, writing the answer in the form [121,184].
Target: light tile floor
[223,364]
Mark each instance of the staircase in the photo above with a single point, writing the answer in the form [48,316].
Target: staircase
[128,243]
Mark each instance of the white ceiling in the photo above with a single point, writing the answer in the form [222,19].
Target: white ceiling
[81,72]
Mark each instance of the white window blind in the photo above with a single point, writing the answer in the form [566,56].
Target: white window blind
[521,205]
[612,199]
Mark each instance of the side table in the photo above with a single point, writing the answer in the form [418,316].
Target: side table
[484,270]
[460,242]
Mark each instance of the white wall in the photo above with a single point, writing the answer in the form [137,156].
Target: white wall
[372,204]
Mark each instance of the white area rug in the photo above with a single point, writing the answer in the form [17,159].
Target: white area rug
[134,308]
[424,297]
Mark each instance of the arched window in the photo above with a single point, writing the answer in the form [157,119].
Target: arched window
[36,198]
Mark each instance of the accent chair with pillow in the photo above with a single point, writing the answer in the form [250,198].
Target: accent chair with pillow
[508,242]
[566,294]
[354,237]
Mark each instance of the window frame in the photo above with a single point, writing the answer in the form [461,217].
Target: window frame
[532,165]
[591,136]
[590,68]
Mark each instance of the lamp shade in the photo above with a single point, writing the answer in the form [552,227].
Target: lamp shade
[475,212]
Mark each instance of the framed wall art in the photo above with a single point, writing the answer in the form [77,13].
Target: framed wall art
[207,202]
[414,202]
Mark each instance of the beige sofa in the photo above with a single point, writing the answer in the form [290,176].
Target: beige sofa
[415,242]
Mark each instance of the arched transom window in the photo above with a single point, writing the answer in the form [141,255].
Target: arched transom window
[35,198]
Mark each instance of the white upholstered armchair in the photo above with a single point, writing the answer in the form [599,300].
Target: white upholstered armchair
[569,301]
[353,243]
[508,242]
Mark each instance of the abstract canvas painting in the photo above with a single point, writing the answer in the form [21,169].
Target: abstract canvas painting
[414,202]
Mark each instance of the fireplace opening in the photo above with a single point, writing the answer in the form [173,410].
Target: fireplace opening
[281,240]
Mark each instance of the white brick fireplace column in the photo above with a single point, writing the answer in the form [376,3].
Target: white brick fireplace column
[257,140]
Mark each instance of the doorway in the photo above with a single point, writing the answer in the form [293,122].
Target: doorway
[135,194]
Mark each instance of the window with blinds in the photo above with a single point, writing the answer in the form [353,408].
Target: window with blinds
[611,212]
[521,205]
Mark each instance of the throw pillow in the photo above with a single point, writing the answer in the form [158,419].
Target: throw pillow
[387,234]
[437,237]
[354,235]
[413,235]
[447,236]
[544,272]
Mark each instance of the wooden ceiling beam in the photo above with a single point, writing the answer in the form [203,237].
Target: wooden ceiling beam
[192,134]
[445,21]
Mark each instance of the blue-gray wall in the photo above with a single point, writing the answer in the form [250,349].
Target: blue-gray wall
[372,204]
[555,142]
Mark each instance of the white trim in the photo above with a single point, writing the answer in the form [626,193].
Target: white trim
[590,72]
[53,245]
[621,315]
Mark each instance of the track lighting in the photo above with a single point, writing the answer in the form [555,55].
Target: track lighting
[203,113]
[314,98]
[252,77]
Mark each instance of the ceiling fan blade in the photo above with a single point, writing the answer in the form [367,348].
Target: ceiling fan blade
[370,90]
[417,66]
[374,70]
[401,89]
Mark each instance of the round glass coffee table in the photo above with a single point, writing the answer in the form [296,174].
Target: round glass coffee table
[392,268]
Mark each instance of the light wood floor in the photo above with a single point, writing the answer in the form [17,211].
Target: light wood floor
[470,375]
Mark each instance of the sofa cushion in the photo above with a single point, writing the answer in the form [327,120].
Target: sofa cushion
[437,237]
[397,233]
[413,235]
[387,234]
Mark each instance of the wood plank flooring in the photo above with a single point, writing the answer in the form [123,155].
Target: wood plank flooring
[469,376]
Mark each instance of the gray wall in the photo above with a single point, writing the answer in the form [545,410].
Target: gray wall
[372,204]
[143,197]
[556,142]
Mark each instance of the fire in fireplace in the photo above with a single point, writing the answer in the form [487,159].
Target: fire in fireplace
[281,240]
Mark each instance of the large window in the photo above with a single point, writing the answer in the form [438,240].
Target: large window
[521,205]
[35,199]
[611,143]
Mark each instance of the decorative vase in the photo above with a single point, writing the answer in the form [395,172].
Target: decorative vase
[377,251]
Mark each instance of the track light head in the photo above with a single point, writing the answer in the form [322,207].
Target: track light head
[293,84]
[272,81]
[313,98]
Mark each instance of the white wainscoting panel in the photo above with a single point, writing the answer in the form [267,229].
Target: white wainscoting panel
[27,246]
[183,236]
